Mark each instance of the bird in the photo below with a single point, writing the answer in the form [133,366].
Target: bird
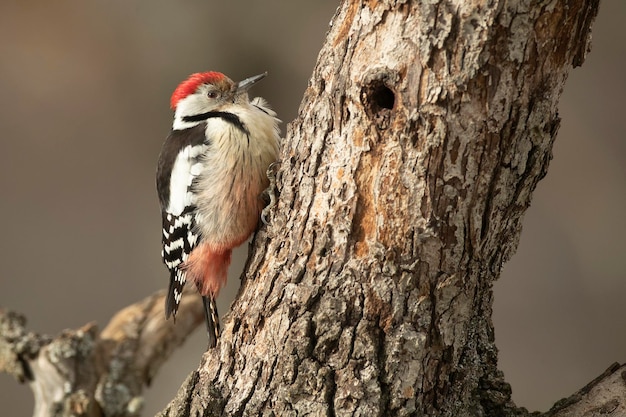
[211,173]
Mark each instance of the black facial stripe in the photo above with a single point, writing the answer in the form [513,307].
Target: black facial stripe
[231,118]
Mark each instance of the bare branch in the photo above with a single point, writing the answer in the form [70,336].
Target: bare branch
[83,373]
[605,395]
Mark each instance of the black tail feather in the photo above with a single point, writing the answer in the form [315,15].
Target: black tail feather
[170,302]
[174,292]
[212,319]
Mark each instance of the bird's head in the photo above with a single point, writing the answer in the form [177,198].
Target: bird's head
[210,91]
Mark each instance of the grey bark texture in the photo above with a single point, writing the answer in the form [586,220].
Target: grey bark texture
[88,373]
[403,182]
[402,186]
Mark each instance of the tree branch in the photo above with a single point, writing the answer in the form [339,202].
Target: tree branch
[83,373]
[605,395]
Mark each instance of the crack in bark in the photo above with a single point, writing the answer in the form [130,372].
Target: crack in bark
[331,391]
[239,412]
[191,388]
[384,402]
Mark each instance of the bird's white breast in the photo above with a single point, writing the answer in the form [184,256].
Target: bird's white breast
[234,175]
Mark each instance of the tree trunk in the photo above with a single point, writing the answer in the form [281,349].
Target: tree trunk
[421,137]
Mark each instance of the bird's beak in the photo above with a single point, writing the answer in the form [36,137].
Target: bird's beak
[249,82]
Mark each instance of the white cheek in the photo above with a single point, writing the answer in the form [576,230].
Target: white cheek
[190,105]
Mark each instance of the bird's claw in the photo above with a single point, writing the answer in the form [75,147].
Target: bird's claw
[270,191]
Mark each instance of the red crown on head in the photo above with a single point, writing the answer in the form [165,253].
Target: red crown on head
[190,85]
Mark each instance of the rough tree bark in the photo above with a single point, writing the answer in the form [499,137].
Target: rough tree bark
[423,132]
[421,137]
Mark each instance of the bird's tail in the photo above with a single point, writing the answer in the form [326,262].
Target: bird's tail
[212,319]
[174,292]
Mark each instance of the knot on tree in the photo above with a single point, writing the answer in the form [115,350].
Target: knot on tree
[378,97]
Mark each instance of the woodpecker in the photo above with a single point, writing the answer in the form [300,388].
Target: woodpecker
[211,174]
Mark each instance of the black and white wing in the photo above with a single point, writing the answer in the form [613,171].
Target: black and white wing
[179,164]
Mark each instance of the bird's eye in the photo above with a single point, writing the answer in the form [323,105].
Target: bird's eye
[212,94]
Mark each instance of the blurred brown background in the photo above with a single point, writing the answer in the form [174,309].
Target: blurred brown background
[85,90]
